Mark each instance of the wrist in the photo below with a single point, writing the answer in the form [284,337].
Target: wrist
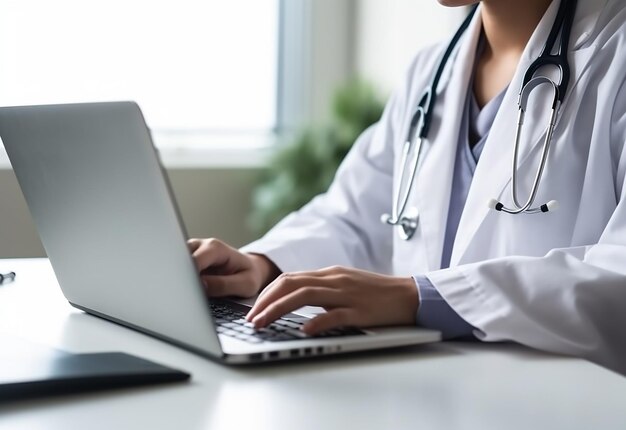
[408,296]
[265,268]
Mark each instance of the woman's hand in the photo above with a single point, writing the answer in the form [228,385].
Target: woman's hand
[352,297]
[227,272]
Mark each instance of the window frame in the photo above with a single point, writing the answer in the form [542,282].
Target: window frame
[311,65]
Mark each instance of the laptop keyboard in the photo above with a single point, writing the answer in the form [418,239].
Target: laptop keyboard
[230,320]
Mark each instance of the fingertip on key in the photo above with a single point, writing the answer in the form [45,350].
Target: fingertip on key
[258,321]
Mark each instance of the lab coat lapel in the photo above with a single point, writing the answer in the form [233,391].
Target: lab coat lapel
[434,182]
[493,173]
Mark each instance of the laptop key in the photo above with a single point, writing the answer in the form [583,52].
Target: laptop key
[354,331]
[296,319]
[287,324]
[333,332]
[282,322]
[265,336]
[230,325]
[296,333]
[282,337]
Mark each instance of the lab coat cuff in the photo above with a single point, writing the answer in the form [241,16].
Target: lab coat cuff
[465,297]
[434,312]
[283,257]
[426,289]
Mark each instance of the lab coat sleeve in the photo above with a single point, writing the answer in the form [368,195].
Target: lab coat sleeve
[567,302]
[342,226]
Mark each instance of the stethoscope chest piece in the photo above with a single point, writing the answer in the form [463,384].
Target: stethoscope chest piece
[407,223]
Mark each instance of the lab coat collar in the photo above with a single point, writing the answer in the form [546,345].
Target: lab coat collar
[434,182]
[493,173]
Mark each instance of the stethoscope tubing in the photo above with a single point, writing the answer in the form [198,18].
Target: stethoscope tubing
[526,207]
[418,131]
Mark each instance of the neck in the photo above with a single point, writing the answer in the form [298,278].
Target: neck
[508,24]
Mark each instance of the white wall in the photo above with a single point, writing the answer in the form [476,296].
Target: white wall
[389,33]
[212,202]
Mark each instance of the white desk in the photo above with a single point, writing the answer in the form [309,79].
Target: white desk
[446,386]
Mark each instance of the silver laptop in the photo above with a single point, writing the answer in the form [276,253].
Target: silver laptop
[108,220]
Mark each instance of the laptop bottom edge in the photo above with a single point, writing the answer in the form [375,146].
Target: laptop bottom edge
[293,350]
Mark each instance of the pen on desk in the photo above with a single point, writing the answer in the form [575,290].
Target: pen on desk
[6,277]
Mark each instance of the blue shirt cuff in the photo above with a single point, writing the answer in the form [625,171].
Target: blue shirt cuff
[435,313]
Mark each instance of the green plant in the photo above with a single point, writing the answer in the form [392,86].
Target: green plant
[304,168]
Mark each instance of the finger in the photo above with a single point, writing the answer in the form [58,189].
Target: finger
[335,318]
[210,253]
[193,244]
[315,296]
[315,274]
[281,286]
[226,285]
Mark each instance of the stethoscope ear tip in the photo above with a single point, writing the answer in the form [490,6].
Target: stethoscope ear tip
[385,218]
[493,204]
[552,205]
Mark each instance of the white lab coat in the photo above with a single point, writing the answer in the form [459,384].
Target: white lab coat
[554,281]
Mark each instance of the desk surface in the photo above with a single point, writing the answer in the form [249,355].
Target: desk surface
[447,385]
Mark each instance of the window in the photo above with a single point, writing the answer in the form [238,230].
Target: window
[194,66]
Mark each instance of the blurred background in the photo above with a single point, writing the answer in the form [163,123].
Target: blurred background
[251,103]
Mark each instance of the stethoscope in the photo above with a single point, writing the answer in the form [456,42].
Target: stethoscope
[405,218]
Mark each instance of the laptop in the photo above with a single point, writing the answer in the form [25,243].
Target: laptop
[108,221]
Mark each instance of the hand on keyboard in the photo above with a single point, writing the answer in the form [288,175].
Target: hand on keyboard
[227,272]
[352,298]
